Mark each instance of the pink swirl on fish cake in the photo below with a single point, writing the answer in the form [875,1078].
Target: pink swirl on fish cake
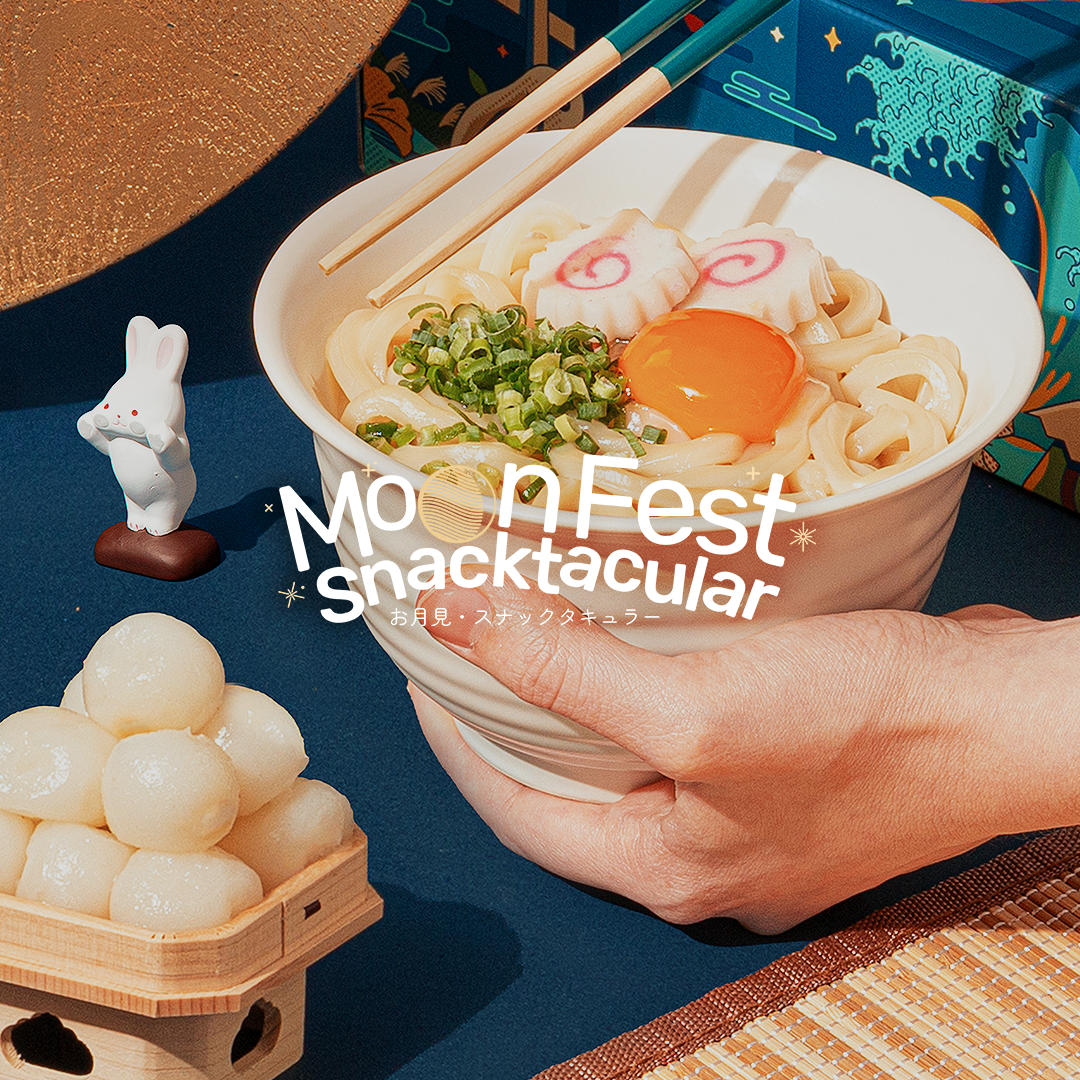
[599,264]
[749,261]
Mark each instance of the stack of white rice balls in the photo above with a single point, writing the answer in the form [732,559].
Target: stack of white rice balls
[157,794]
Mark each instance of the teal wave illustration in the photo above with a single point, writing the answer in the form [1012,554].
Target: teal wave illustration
[1060,184]
[932,94]
[1072,271]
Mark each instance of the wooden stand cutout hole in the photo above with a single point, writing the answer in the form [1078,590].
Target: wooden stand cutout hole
[258,1035]
[43,1040]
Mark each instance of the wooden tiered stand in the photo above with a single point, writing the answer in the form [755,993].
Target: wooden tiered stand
[82,996]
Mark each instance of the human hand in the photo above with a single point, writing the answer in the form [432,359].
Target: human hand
[807,763]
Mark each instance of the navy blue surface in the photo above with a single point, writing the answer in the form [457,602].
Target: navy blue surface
[484,965]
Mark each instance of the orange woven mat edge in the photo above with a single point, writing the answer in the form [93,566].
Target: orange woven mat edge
[731,1007]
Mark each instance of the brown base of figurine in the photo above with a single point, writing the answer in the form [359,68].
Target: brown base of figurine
[177,556]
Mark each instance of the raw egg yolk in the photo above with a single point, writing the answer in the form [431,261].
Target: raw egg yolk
[715,371]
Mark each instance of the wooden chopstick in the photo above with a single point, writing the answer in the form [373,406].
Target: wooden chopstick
[651,19]
[737,19]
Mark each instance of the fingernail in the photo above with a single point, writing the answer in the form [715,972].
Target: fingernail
[454,616]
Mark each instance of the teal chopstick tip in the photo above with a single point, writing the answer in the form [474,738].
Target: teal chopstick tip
[707,43]
[649,21]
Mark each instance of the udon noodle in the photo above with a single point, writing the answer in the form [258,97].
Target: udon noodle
[874,402]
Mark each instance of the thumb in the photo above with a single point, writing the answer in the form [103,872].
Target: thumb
[551,654]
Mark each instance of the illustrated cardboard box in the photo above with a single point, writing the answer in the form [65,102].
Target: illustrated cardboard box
[976,105]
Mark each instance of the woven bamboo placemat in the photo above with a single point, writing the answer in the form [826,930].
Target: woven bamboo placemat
[977,978]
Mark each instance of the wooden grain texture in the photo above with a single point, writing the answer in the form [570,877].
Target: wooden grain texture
[126,1047]
[192,973]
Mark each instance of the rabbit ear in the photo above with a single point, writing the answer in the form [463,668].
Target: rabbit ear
[170,351]
[139,332]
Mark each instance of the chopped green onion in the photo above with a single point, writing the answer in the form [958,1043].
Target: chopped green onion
[526,386]
[451,432]
[505,398]
[490,473]
[655,435]
[633,440]
[512,419]
[403,435]
[472,312]
[565,427]
[430,306]
[592,410]
[434,466]
[587,444]
[543,366]
[532,490]
[558,387]
[377,429]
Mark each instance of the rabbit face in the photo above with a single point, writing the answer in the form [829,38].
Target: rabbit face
[148,394]
[115,419]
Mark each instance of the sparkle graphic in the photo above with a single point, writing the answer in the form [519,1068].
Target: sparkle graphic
[269,508]
[752,473]
[290,594]
[776,35]
[833,39]
[367,470]
[803,536]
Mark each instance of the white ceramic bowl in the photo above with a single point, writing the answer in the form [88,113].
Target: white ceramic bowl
[875,547]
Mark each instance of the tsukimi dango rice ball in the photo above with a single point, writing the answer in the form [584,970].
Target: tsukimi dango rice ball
[72,866]
[15,833]
[263,741]
[151,671]
[305,822]
[173,891]
[170,791]
[51,763]
[73,698]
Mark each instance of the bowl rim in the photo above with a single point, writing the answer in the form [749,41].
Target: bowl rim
[302,402]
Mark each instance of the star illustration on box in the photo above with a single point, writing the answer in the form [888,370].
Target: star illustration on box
[139,425]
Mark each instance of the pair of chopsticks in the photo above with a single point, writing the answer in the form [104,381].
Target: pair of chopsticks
[655,83]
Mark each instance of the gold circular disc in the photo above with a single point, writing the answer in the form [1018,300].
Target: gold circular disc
[122,119]
[450,504]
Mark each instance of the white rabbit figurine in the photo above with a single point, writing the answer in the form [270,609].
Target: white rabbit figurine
[140,425]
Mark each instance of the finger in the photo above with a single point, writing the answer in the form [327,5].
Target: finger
[991,616]
[641,700]
[595,844]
